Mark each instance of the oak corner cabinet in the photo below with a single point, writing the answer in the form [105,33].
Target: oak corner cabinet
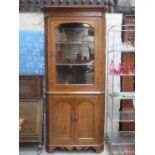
[75,66]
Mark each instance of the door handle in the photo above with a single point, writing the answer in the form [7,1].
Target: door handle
[74,119]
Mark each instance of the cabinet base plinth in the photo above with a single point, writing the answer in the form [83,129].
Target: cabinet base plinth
[97,148]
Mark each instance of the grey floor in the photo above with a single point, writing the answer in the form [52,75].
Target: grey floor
[32,149]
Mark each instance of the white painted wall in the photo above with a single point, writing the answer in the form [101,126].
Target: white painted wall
[31,21]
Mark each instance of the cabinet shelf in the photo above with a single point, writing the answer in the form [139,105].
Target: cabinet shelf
[123,150]
[121,143]
[123,138]
[75,64]
[126,116]
[122,51]
[78,28]
[130,74]
[75,42]
[123,95]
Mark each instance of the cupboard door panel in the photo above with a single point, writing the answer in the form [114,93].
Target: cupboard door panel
[30,110]
[62,118]
[86,118]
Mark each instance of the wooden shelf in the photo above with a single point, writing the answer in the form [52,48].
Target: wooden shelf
[86,64]
[75,42]
[90,63]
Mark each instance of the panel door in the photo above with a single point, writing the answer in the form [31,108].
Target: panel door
[86,119]
[31,111]
[61,116]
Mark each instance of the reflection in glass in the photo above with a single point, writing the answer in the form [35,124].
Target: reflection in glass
[75,74]
[74,53]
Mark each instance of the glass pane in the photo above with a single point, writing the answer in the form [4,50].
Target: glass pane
[74,53]
[82,74]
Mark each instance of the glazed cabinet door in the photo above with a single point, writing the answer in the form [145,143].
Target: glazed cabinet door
[86,119]
[61,116]
[74,56]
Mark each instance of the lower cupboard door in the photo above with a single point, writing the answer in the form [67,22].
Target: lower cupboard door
[86,120]
[61,120]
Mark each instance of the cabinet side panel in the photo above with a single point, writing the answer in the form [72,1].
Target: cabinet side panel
[101,118]
[48,126]
[101,50]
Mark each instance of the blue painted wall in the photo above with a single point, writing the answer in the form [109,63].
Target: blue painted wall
[31,52]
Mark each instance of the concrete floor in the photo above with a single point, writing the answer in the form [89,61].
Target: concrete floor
[32,149]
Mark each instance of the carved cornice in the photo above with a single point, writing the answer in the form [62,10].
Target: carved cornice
[118,6]
[38,5]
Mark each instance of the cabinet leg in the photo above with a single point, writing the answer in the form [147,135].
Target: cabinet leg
[51,149]
[98,149]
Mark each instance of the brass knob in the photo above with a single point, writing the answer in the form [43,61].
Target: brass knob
[74,119]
